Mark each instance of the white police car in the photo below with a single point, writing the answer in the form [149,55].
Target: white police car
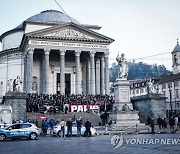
[57,130]
[19,130]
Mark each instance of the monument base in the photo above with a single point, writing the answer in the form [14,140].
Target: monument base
[126,118]
[17,100]
[152,105]
[124,114]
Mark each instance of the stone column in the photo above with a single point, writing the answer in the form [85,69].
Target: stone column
[29,70]
[54,82]
[62,72]
[102,76]
[92,75]
[78,82]
[98,76]
[107,86]
[88,84]
[25,73]
[42,80]
[46,71]
[84,77]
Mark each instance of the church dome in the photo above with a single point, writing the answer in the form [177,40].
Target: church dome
[52,16]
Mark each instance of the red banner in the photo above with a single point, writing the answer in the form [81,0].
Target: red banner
[83,108]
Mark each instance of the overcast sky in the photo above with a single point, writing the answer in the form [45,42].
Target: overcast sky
[141,28]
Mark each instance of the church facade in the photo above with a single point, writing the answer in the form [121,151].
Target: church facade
[53,53]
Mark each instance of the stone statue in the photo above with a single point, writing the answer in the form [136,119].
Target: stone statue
[34,86]
[150,88]
[123,66]
[17,84]
[10,85]
[126,108]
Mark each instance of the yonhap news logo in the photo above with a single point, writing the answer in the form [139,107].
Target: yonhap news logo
[118,141]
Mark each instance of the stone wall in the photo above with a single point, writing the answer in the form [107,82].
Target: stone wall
[152,105]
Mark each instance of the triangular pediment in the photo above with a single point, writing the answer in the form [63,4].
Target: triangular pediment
[70,31]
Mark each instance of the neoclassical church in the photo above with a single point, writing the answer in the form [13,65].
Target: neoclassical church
[54,53]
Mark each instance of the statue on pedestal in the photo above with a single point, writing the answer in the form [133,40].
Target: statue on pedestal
[126,108]
[15,85]
[10,85]
[150,87]
[123,66]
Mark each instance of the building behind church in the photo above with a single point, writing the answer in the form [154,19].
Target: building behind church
[168,85]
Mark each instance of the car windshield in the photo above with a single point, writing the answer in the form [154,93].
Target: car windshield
[6,128]
[16,126]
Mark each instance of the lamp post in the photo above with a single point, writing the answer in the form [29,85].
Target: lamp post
[170,98]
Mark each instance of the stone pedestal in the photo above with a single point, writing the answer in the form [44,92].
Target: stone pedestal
[17,100]
[122,94]
[127,117]
[152,105]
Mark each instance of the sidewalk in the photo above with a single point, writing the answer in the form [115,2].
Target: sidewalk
[102,130]
[166,130]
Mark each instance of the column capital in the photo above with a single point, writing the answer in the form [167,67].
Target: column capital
[102,58]
[77,52]
[30,51]
[62,52]
[47,51]
[92,53]
[106,53]
[97,60]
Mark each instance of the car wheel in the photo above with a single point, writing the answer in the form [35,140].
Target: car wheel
[2,137]
[59,133]
[33,136]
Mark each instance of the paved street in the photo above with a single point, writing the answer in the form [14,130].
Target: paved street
[92,145]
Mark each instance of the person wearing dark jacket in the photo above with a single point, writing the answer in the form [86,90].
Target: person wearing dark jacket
[106,116]
[69,127]
[152,126]
[88,128]
[79,125]
[159,122]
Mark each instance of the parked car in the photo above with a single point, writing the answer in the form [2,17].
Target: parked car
[19,130]
[57,130]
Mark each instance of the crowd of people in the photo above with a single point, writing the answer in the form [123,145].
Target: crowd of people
[36,102]
[69,124]
[174,123]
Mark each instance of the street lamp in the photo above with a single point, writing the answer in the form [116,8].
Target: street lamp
[170,98]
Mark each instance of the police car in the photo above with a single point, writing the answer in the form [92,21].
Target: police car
[19,130]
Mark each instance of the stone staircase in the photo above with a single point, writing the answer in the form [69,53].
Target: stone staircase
[93,118]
